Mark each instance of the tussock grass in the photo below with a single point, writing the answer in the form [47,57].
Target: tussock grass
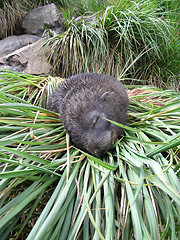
[136,40]
[51,190]
[11,13]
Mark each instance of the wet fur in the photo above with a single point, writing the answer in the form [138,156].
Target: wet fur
[83,101]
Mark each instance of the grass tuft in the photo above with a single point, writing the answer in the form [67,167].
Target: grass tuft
[49,191]
[134,40]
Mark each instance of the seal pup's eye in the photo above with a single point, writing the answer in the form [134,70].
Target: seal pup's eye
[95,120]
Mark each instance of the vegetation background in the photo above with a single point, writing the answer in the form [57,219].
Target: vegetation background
[132,40]
[51,190]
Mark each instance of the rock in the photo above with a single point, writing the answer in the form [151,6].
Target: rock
[12,43]
[28,59]
[41,18]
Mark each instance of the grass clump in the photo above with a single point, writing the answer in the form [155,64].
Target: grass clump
[136,40]
[133,40]
[51,190]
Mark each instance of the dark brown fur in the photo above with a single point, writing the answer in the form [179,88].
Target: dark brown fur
[83,101]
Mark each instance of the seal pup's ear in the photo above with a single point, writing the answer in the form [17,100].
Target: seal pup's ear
[104,96]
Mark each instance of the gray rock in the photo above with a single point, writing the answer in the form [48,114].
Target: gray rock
[12,43]
[28,59]
[42,18]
